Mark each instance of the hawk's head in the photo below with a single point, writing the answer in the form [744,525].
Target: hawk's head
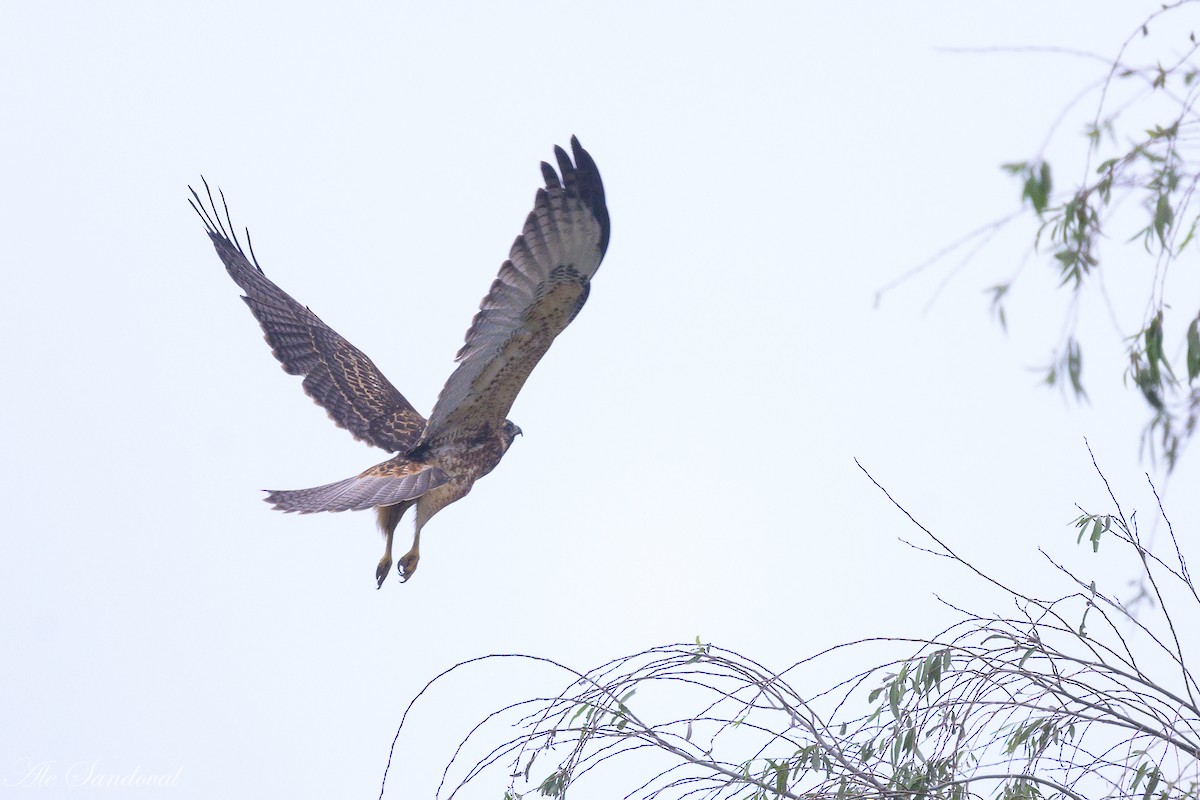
[510,432]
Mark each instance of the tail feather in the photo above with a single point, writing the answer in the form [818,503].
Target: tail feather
[357,493]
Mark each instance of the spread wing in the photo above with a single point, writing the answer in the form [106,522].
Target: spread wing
[337,375]
[540,289]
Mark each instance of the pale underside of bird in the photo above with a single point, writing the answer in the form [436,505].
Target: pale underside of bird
[540,289]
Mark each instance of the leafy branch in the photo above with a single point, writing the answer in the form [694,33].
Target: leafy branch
[1140,165]
[1073,697]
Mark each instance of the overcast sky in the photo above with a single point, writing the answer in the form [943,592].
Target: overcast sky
[688,464]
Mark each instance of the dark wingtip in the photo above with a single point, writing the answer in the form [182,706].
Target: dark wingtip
[550,176]
[212,225]
[220,230]
[591,187]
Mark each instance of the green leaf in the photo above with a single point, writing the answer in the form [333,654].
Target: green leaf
[1138,776]
[1025,658]
[1191,234]
[1037,187]
[1193,350]
[781,776]
[1069,263]
[1152,784]
[1154,347]
[555,784]
[934,671]
[1160,80]
[1163,217]
[1075,367]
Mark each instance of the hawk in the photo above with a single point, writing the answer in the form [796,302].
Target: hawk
[540,289]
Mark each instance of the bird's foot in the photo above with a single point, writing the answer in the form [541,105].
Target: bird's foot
[408,564]
[381,572]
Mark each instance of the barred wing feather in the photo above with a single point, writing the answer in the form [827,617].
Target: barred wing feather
[337,375]
[540,288]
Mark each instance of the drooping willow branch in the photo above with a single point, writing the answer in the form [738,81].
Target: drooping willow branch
[1074,696]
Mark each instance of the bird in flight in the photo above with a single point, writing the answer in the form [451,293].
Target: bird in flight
[540,289]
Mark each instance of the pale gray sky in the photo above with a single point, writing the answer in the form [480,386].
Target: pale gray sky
[687,467]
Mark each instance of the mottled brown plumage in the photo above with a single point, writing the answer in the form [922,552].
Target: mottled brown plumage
[540,288]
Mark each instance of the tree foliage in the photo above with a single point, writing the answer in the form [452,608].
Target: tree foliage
[1125,206]
[1071,697]
[1140,151]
